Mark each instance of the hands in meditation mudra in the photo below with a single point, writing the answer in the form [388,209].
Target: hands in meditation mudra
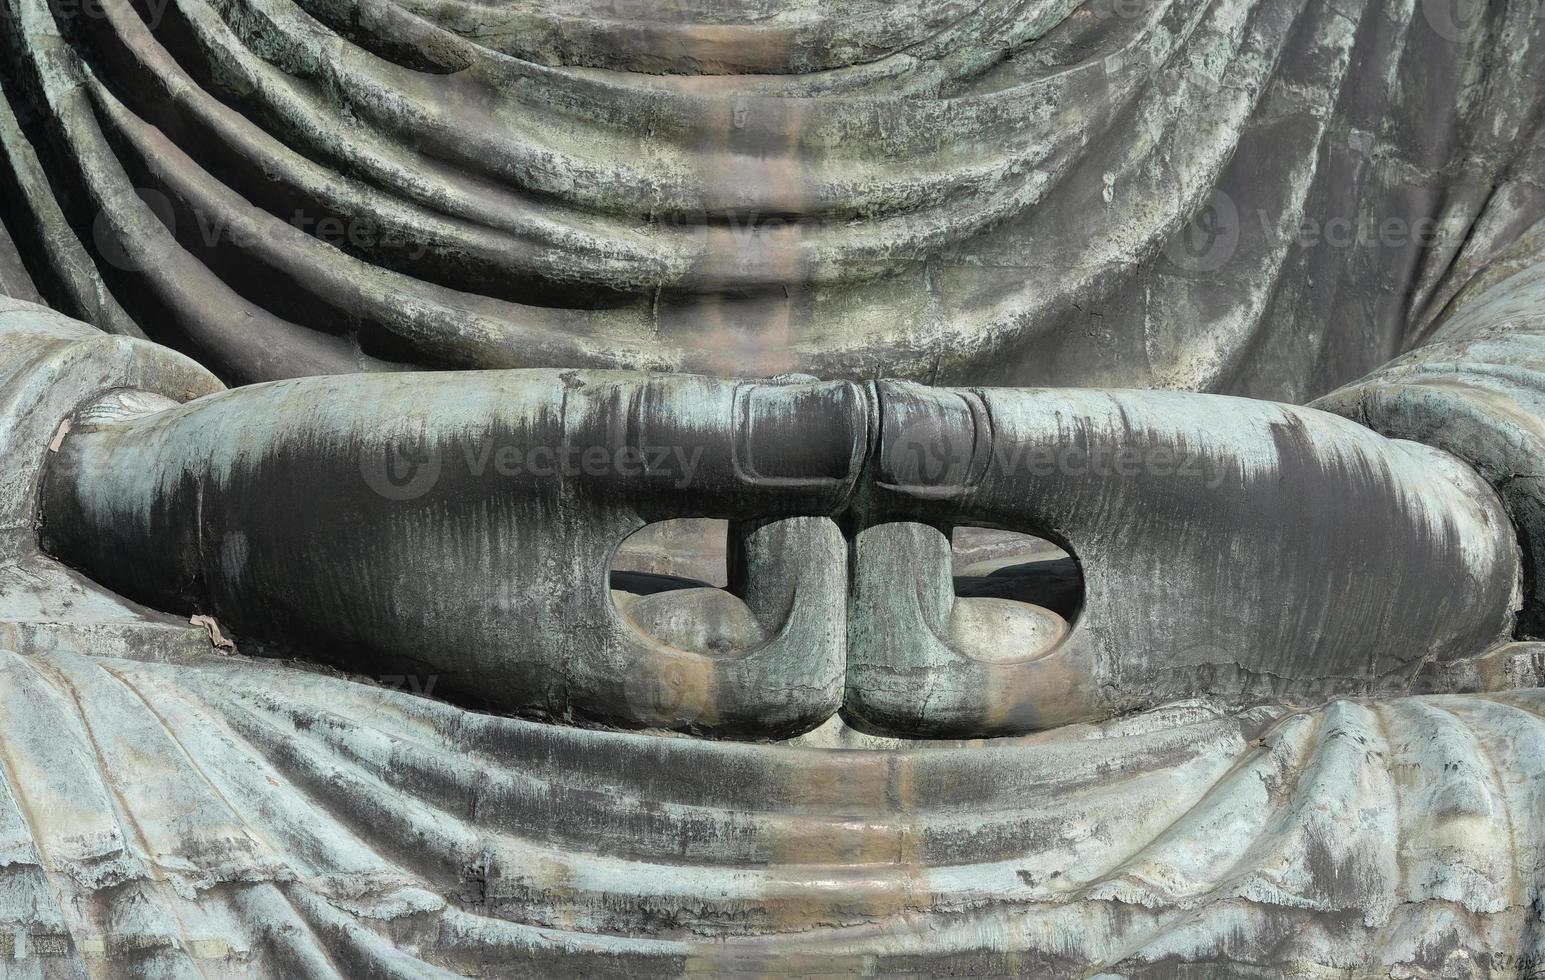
[367,333]
[1230,548]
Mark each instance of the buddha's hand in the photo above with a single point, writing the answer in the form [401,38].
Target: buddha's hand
[459,527]
[1228,546]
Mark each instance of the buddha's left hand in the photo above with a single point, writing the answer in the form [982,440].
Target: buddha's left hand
[1228,546]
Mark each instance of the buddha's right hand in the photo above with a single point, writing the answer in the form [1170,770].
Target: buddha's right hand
[461,526]
[1231,547]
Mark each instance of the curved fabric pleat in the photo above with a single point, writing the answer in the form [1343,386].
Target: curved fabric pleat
[233,814]
[1267,197]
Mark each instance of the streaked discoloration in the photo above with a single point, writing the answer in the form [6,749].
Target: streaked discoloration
[1477,390]
[1006,192]
[1187,194]
[488,573]
[1229,547]
[282,821]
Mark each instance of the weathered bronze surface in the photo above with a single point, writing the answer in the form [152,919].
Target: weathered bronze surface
[1122,422]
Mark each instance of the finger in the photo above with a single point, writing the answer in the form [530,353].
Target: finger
[924,663]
